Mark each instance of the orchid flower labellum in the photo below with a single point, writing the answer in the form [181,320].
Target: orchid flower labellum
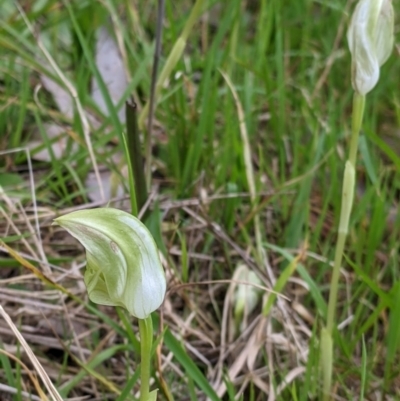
[370,37]
[123,266]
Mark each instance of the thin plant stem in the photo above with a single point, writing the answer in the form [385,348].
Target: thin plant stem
[341,240]
[132,192]
[173,57]
[138,189]
[347,203]
[261,254]
[357,115]
[156,61]
[146,339]
[138,196]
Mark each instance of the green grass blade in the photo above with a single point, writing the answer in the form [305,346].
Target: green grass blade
[313,286]
[190,367]
[364,362]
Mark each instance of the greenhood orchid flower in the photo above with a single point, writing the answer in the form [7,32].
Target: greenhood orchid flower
[370,37]
[123,266]
[247,295]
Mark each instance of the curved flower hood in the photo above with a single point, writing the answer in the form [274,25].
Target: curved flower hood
[370,37]
[123,266]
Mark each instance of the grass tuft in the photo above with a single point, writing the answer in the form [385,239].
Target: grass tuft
[249,140]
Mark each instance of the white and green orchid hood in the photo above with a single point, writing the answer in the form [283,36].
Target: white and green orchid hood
[123,265]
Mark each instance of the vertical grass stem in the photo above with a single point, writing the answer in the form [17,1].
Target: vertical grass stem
[156,60]
[173,57]
[138,189]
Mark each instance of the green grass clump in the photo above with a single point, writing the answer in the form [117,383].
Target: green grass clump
[286,66]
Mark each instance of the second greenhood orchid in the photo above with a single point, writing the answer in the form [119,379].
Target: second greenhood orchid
[370,37]
[123,266]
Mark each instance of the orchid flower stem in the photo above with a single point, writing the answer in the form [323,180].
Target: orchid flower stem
[347,203]
[146,339]
[358,111]
[357,117]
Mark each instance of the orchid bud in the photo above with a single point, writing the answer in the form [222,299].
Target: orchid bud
[123,266]
[247,294]
[370,37]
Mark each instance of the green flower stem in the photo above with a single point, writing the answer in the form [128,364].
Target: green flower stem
[326,362]
[357,117]
[146,340]
[358,111]
[347,203]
